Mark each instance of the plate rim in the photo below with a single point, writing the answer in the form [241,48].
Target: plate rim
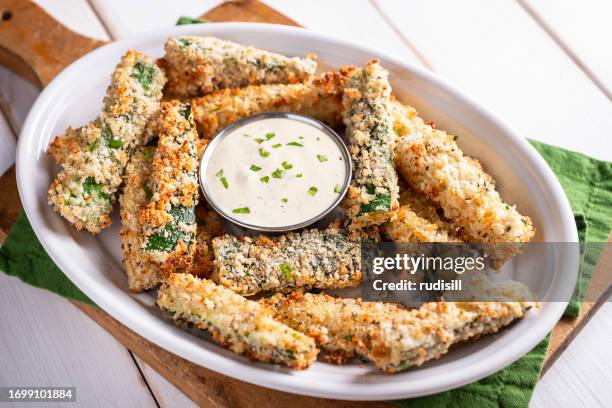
[251,372]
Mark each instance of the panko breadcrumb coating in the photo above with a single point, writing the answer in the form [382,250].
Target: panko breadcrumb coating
[142,272]
[209,227]
[320,98]
[433,164]
[241,325]
[308,259]
[373,192]
[388,335]
[168,219]
[418,221]
[85,189]
[200,65]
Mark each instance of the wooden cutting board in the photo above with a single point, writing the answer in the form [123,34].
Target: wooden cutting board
[38,47]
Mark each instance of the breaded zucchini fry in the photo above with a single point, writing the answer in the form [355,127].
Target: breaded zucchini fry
[241,325]
[433,164]
[391,337]
[320,98]
[373,192]
[85,189]
[141,271]
[200,65]
[209,227]
[309,259]
[417,221]
[168,219]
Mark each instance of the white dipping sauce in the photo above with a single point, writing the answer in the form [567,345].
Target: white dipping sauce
[275,172]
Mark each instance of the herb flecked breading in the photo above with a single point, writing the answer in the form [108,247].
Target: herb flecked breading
[432,163]
[241,325]
[373,192]
[308,259]
[320,98]
[391,337]
[142,272]
[85,189]
[168,220]
[199,65]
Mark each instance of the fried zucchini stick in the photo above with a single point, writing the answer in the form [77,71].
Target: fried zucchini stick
[433,164]
[209,227]
[200,65]
[391,337]
[241,325]
[373,192]
[142,272]
[85,189]
[320,98]
[168,219]
[309,259]
[417,221]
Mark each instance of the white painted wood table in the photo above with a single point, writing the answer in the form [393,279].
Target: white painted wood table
[544,66]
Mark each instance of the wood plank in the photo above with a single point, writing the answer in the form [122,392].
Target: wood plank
[581,376]
[8,144]
[583,29]
[45,341]
[77,15]
[166,394]
[35,45]
[360,22]
[497,53]
[126,18]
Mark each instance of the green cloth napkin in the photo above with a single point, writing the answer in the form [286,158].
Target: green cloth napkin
[588,185]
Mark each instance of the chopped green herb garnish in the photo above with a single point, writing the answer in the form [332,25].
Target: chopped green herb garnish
[183,42]
[255,167]
[382,202]
[148,192]
[286,165]
[148,153]
[242,210]
[286,270]
[270,136]
[144,74]
[285,200]
[455,138]
[337,189]
[224,182]
[265,179]
[295,144]
[186,111]
[90,187]
[91,146]
[115,143]
[299,175]
[322,158]
[219,173]
[108,136]
[348,337]
[263,153]
[312,190]
[278,173]
[259,140]
[300,137]
[277,145]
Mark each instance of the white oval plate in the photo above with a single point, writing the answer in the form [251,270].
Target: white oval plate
[94,263]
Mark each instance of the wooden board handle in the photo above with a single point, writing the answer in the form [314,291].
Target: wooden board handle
[35,45]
